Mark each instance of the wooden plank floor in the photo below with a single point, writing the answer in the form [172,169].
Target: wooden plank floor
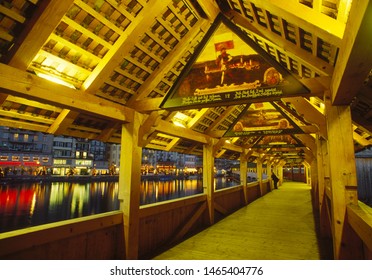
[278,226]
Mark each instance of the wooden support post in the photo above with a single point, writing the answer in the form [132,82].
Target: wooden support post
[259,175]
[307,173]
[243,175]
[279,172]
[129,184]
[269,172]
[314,184]
[323,179]
[208,178]
[343,174]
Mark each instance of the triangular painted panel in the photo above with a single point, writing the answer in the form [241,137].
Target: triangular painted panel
[262,118]
[229,68]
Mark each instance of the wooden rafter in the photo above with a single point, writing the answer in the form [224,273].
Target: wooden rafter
[29,86]
[355,58]
[123,45]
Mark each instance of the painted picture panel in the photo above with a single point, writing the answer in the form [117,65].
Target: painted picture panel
[230,68]
[262,118]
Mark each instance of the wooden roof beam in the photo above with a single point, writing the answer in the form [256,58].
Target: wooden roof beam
[210,8]
[124,44]
[29,86]
[309,112]
[148,127]
[37,31]
[108,132]
[185,133]
[355,56]
[62,122]
[35,34]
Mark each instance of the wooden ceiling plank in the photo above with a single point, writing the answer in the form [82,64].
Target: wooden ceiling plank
[83,30]
[61,61]
[5,35]
[355,56]
[124,44]
[122,9]
[169,62]
[3,98]
[37,32]
[314,61]
[25,116]
[29,86]
[24,125]
[361,140]
[98,16]
[193,122]
[32,103]
[220,119]
[71,45]
[62,122]
[309,19]
[13,14]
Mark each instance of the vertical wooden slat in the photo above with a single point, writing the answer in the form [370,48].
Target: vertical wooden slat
[129,184]
[342,171]
[259,175]
[243,175]
[208,168]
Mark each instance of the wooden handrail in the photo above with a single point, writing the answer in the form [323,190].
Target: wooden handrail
[360,219]
[23,239]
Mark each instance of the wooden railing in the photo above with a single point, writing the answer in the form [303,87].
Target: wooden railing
[359,218]
[95,237]
[164,224]
[101,236]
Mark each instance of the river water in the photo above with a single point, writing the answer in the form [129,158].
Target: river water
[24,205]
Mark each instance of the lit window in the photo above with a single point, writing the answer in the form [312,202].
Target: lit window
[15,158]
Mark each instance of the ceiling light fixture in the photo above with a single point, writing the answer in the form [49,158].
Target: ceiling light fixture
[54,79]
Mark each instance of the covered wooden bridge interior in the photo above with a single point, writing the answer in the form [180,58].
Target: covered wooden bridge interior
[120,59]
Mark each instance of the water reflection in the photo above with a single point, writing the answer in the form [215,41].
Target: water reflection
[157,191]
[30,204]
[33,204]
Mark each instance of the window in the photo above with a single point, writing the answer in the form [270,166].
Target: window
[3,158]
[15,158]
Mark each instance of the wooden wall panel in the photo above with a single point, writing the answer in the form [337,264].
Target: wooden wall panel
[230,199]
[96,237]
[253,192]
[160,225]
